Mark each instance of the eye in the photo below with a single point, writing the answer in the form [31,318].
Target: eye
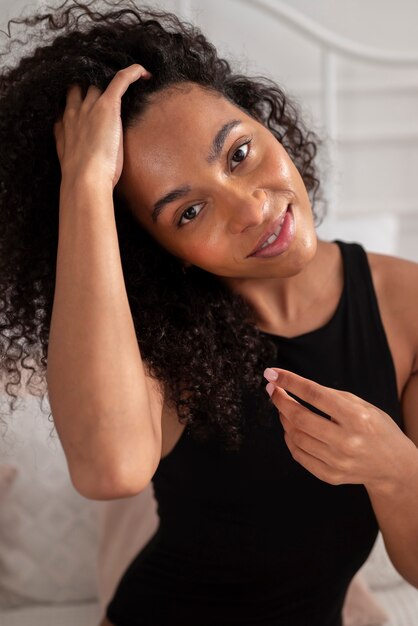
[190,213]
[241,153]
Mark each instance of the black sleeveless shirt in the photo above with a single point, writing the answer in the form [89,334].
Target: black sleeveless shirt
[253,538]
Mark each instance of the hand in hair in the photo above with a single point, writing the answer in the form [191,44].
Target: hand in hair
[89,136]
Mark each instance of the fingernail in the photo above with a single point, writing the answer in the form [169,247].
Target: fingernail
[270,374]
[270,388]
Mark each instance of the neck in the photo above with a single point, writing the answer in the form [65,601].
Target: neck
[285,304]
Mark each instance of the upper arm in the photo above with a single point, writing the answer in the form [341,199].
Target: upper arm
[396,282]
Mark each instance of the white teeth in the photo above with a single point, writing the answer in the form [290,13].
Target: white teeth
[274,236]
[270,240]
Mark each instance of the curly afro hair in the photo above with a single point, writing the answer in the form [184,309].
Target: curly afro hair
[203,330]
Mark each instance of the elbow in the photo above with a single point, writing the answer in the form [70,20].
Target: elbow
[109,492]
[110,485]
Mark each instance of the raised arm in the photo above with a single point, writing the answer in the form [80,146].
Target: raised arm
[106,409]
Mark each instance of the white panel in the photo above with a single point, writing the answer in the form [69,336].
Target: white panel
[378,23]
[379,233]
[366,76]
[379,177]
[387,113]
[258,43]
[408,237]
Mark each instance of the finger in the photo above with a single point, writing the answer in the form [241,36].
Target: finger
[318,468]
[305,420]
[59,138]
[328,400]
[307,443]
[92,95]
[122,79]
[74,98]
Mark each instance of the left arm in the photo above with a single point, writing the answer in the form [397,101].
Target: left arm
[397,510]
[359,445]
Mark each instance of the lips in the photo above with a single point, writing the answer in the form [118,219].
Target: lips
[274,228]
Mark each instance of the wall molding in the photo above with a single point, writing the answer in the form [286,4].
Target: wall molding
[325,37]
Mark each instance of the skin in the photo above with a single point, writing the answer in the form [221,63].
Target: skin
[239,195]
[228,207]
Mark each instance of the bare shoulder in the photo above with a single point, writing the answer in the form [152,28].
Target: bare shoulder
[396,279]
[392,269]
[396,285]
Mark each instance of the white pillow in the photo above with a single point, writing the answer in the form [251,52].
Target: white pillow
[48,532]
[125,527]
[378,570]
[7,476]
[361,608]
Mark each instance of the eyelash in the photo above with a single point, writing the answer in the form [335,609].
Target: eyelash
[246,143]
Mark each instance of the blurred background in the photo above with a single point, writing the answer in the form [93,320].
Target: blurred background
[353,68]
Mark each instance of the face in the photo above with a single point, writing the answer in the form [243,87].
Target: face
[210,183]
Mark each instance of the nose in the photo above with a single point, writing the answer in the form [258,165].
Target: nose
[244,209]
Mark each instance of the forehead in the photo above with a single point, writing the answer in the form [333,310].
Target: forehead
[187,108]
[171,141]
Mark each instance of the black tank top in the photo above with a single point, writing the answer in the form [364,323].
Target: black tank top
[252,538]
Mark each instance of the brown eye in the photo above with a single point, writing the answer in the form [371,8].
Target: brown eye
[241,153]
[190,214]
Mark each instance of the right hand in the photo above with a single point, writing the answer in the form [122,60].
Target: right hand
[89,136]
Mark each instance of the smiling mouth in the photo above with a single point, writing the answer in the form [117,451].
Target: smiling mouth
[273,236]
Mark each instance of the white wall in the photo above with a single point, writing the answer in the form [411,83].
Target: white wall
[374,145]
[12,8]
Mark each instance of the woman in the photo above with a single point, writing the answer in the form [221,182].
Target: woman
[159,245]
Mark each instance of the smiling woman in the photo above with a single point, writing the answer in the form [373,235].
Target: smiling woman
[158,253]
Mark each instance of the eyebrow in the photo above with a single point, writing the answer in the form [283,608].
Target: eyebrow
[219,140]
[214,154]
[171,196]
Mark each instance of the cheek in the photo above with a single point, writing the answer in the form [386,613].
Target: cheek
[282,167]
[191,249]
[206,249]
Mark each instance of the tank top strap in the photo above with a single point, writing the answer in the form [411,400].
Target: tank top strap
[366,343]
[361,305]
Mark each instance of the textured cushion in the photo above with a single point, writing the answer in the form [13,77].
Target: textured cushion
[48,532]
[7,476]
[86,614]
[398,598]
[125,527]
[361,608]
[401,604]
[378,570]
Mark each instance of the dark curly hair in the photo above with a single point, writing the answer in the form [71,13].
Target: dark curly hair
[204,334]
